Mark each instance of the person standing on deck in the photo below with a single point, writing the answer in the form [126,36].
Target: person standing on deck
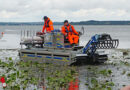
[48,25]
[70,33]
[2,33]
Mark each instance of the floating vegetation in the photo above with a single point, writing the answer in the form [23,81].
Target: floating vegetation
[16,78]
[99,79]
[125,53]
[100,85]
[124,63]
[105,72]
[21,75]
[60,79]
[36,76]
[128,74]
[124,72]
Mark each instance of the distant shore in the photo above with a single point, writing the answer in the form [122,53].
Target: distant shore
[91,22]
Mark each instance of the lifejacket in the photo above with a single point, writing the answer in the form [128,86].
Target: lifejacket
[47,24]
[70,29]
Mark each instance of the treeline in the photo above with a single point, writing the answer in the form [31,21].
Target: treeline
[92,22]
[28,23]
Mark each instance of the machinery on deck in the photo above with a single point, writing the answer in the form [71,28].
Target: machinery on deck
[55,48]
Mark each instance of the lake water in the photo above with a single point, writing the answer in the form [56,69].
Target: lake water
[11,38]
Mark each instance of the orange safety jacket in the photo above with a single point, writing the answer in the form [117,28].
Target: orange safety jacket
[48,25]
[69,30]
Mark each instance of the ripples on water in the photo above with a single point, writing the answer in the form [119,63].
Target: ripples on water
[11,40]
[12,33]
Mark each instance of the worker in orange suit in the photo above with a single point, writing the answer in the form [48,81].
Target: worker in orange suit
[48,25]
[2,33]
[71,34]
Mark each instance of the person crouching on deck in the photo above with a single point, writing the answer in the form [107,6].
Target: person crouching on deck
[71,34]
[48,25]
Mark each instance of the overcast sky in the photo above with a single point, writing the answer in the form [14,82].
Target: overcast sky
[59,10]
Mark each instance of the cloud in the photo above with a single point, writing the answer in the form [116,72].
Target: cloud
[6,14]
[58,10]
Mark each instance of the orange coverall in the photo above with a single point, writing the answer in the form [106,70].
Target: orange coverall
[48,25]
[72,34]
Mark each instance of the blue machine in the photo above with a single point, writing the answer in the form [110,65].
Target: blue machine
[94,39]
[54,48]
[103,41]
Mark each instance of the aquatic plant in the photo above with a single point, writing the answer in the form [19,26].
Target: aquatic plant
[124,63]
[19,75]
[94,81]
[124,71]
[125,53]
[60,79]
[105,72]
[128,74]
[100,85]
